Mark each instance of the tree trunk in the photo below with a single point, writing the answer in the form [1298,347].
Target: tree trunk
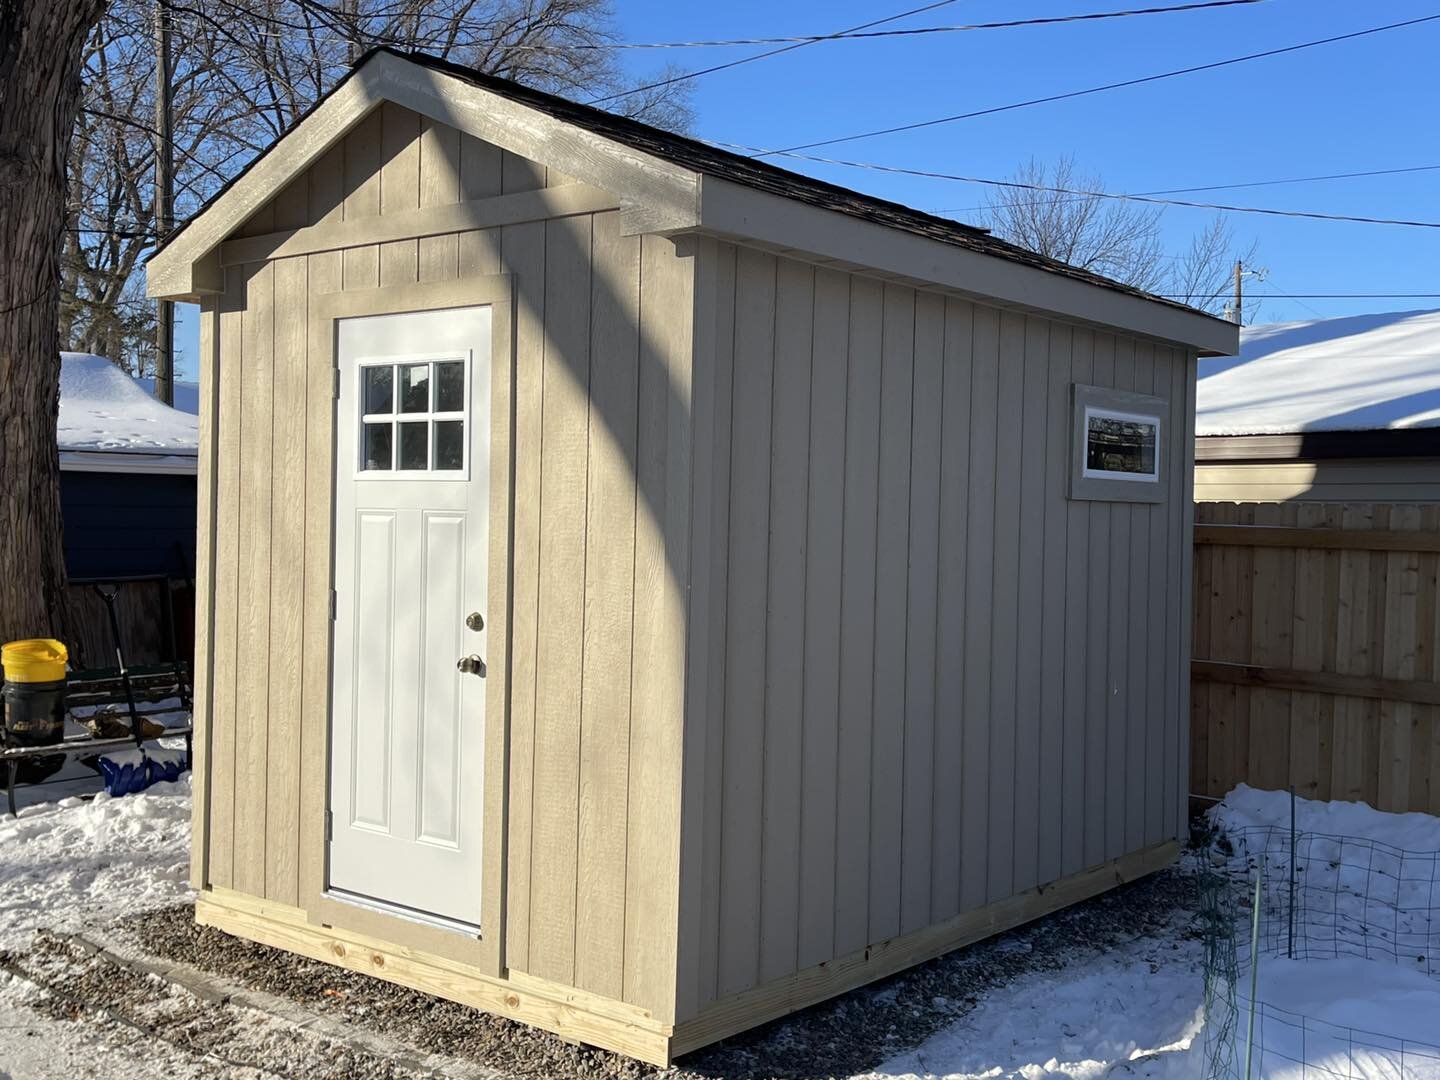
[40,50]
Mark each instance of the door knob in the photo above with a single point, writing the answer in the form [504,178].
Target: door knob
[471,665]
[474,621]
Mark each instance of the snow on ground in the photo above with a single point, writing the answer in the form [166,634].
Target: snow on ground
[1136,1011]
[77,863]
[77,778]
[1367,882]
[1350,374]
[1361,1019]
[1247,807]
[103,408]
[36,1047]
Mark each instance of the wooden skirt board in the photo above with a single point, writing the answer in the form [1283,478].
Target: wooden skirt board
[613,1025]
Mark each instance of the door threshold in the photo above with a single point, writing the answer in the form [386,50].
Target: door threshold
[400,911]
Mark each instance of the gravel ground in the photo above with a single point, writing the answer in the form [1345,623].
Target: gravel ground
[117,1008]
[849,1035]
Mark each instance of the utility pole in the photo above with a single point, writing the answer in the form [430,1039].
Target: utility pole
[164,203]
[352,29]
[1239,294]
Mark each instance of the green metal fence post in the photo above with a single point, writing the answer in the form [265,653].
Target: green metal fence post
[1254,970]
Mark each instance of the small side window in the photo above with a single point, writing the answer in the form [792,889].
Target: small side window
[1122,446]
[1118,446]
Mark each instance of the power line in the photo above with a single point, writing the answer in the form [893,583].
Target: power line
[684,75]
[1328,296]
[1313,214]
[1270,277]
[1249,184]
[862,35]
[917,125]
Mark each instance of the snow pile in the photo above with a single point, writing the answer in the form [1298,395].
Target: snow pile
[1361,999]
[1367,883]
[1352,374]
[76,863]
[1138,1011]
[1248,807]
[1134,1012]
[1359,1019]
[102,408]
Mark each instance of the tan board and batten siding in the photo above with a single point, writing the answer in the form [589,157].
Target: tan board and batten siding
[602,349]
[926,679]
[815,669]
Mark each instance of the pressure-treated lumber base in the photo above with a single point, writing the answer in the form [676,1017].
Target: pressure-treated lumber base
[761,1004]
[572,1014]
[604,1022]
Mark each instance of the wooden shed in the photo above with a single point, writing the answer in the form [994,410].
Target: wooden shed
[817,570]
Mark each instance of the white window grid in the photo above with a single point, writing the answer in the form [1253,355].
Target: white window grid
[396,419]
[1150,419]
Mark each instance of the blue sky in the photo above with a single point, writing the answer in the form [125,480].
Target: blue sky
[1366,104]
[1372,103]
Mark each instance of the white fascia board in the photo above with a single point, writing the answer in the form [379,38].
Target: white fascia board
[654,195]
[190,265]
[732,210]
[127,461]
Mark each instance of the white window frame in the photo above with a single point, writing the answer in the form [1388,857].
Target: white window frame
[1101,485]
[395,418]
[1108,474]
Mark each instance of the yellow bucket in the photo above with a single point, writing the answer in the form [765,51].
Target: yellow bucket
[34,660]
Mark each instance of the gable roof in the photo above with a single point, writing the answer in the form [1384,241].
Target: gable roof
[759,175]
[1358,373]
[676,198]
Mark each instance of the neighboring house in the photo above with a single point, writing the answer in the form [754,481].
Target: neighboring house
[648,591]
[185,392]
[1341,409]
[127,500]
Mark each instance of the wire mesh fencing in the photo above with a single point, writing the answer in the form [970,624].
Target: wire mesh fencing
[1319,897]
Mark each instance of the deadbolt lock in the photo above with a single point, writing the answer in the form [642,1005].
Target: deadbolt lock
[474,621]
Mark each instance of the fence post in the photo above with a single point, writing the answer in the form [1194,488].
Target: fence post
[1290,944]
[1254,970]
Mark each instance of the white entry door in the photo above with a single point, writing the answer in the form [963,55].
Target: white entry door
[411,537]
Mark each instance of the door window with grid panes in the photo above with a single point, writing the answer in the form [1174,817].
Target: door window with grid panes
[413,417]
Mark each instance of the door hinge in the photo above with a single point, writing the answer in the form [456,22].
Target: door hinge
[334,604]
[337,384]
[329,825]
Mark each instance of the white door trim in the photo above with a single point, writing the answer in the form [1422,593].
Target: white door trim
[486,952]
[412,552]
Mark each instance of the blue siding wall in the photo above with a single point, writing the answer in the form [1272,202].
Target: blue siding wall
[123,525]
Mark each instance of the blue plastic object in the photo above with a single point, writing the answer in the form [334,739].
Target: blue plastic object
[127,775]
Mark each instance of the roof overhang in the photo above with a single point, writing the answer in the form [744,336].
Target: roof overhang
[1319,446]
[826,236]
[128,461]
[657,196]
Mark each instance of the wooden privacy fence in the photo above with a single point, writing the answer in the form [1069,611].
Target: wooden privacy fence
[1315,651]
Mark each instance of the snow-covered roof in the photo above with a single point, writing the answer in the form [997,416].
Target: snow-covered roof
[185,392]
[1359,373]
[103,408]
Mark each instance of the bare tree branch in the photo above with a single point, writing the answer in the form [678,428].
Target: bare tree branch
[1117,239]
[245,71]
